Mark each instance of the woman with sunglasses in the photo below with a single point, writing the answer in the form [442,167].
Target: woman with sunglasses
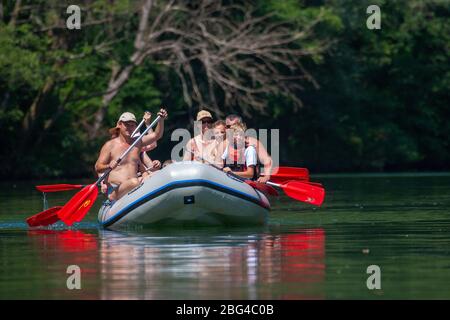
[202,145]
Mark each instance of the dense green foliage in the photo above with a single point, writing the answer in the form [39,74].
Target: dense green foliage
[381,101]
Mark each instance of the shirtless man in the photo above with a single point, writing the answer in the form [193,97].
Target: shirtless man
[123,176]
[263,155]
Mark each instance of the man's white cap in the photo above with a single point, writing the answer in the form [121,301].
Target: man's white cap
[127,116]
[124,117]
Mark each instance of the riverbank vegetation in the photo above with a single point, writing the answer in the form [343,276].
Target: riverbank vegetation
[344,97]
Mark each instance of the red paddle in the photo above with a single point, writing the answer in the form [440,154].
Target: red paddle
[77,207]
[58,187]
[264,188]
[283,174]
[44,218]
[301,191]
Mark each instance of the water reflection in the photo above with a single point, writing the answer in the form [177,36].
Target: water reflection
[234,266]
[184,264]
[58,249]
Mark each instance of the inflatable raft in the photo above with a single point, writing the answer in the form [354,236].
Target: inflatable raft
[187,193]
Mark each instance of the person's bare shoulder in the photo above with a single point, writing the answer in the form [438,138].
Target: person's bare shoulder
[252,141]
[105,152]
[189,143]
[110,143]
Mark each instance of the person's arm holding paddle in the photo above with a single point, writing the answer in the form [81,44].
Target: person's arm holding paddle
[146,119]
[158,133]
[188,153]
[149,165]
[250,164]
[264,157]
[248,173]
[104,161]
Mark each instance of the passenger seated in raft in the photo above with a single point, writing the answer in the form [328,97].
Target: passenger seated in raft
[239,157]
[143,173]
[124,176]
[201,146]
[263,156]
[147,166]
[219,135]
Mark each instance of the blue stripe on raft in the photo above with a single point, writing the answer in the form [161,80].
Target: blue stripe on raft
[107,222]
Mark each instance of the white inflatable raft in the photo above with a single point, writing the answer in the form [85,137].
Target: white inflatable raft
[187,193]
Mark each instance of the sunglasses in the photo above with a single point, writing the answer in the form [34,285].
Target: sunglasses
[207,121]
[129,123]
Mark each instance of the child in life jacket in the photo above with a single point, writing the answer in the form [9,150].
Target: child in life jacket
[239,157]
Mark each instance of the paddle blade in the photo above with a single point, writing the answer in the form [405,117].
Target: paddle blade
[283,174]
[318,184]
[58,187]
[264,188]
[304,192]
[77,207]
[44,218]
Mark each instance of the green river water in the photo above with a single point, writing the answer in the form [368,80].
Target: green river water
[400,223]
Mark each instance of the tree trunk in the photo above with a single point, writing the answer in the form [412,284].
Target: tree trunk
[119,78]
[114,86]
[15,13]
[30,120]
[1,11]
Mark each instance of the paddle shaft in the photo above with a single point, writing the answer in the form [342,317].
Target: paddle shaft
[273,184]
[316,184]
[137,128]
[105,174]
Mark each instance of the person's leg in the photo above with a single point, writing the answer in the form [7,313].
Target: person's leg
[104,187]
[111,192]
[148,175]
[125,187]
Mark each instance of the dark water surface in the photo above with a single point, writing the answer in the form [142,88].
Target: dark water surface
[400,223]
